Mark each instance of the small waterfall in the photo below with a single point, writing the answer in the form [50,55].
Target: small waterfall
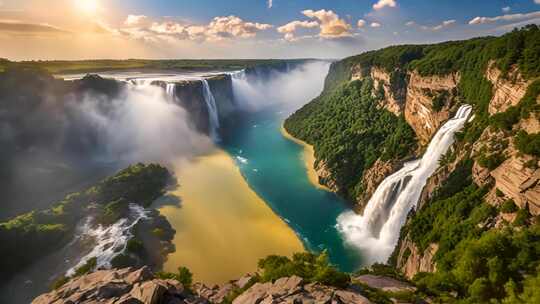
[376,232]
[213,116]
[110,240]
[170,90]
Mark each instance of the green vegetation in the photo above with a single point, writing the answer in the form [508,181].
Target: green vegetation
[526,107]
[183,276]
[310,267]
[85,66]
[508,207]
[349,132]
[87,267]
[528,143]
[44,231]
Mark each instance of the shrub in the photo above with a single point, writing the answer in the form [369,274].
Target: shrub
[123,260]
[528,143]
[509,207]
[183,276]
[135,246]
[311,267]
[87,267]
[491,161]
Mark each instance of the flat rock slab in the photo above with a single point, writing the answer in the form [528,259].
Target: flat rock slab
[384,283]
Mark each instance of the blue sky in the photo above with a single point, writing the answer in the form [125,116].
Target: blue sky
[245,28]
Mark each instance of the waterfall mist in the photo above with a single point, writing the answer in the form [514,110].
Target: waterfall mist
[143,124]
[291,89]
[376,232]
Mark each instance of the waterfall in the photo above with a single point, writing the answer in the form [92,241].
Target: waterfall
[170,90]
[376,232]
[213,117]
[110,240]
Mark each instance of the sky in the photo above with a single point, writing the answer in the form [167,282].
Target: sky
[198,29]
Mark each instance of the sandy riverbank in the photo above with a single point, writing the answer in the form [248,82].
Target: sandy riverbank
[308,157]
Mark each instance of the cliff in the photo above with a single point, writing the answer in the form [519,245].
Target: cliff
[132,285]
[485,191]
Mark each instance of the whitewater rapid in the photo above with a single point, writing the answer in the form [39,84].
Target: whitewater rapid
[109,240]
[376,232]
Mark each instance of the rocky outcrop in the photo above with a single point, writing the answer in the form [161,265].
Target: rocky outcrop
[508,89]
[419,110]
[394,95]
[371,179]
[411,260]
[295,290]
[137,286]
[384,283]
[124,286]
[325,176]
[519,182]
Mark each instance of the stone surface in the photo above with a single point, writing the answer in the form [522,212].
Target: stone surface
[507,89]
[412,261]
[371,179]
[385,283]
[419,112]
[126,286]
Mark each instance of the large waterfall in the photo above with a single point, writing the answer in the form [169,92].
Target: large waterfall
[213,117]
[376,232]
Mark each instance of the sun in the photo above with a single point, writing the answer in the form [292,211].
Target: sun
[87,6]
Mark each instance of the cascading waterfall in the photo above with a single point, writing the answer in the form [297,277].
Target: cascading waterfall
[109,240]
[170,89]
[376,232]
[213,116]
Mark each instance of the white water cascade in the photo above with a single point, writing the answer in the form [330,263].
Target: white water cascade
[213,117]
[170,89]
[376,232]
[110,240]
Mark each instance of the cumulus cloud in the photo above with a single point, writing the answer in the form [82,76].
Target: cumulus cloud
[511,17]
[537,1]
[133,20]
[290,28]
[330,24]
[375,24]
[507,9]
[384,3]
[220,28]
[361,23]
[410,23]
[20,27]
[270,3]
[438,27]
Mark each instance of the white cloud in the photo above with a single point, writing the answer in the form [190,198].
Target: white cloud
[410,23]
[270,3]
[132,20]
[361,23]
[444,24]
[507,9]
[330,24]
[375,24]
[384,3]
[290,28]
[220,28]
[537,1]
[511,17]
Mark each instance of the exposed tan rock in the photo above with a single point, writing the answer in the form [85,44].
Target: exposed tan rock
[418,106]
[411,261]
[393,99]
[127,286]
[519,183]
[294,290]
[385,283]
[371,179]
[508,90]
[325,177]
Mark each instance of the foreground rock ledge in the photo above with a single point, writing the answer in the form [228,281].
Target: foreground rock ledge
[135,286]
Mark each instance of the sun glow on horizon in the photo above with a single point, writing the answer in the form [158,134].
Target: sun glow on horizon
[88,6]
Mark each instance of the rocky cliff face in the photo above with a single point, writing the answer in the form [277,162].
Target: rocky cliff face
[411,260]
[136,286]
[507,89]
[372,178]
[420,111]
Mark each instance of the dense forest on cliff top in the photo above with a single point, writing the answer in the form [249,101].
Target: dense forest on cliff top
[488,246]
